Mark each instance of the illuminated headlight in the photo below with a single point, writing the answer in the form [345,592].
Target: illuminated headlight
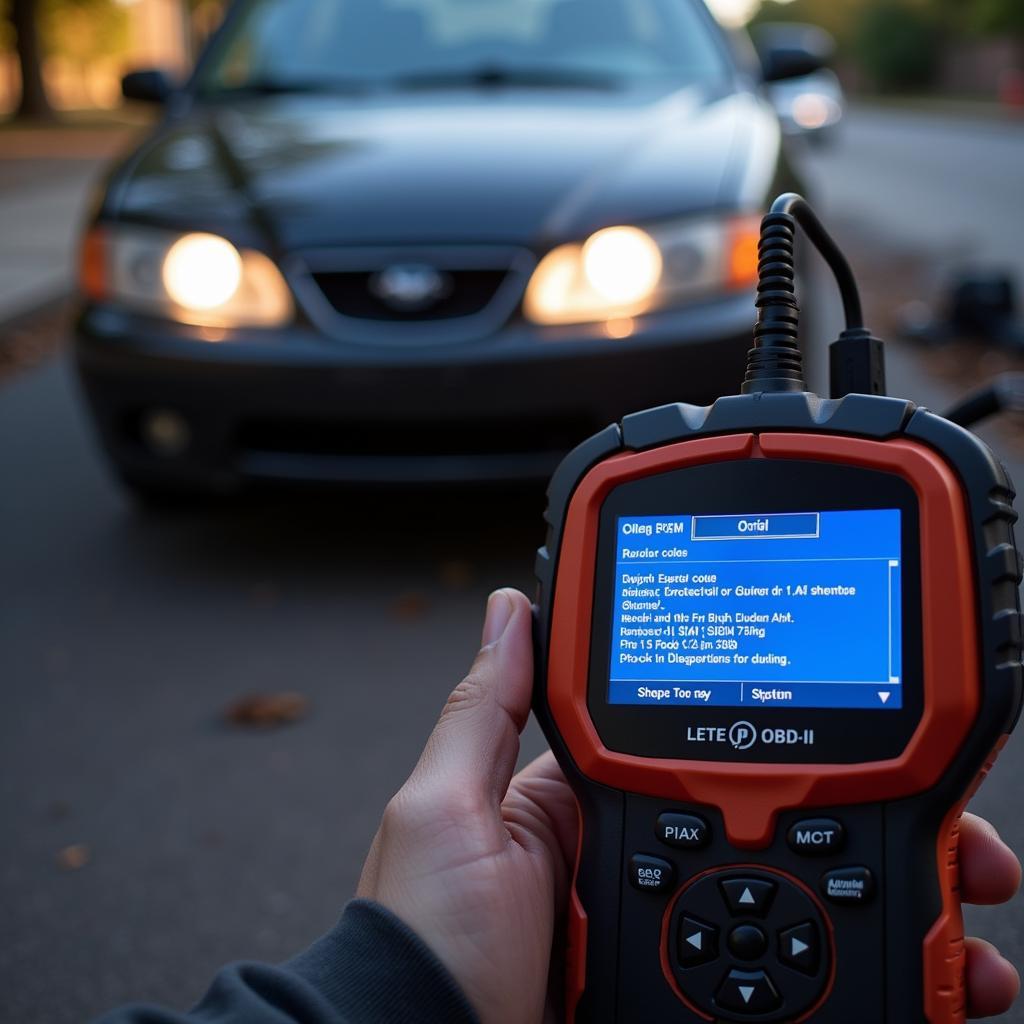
[193,278]
[624,271]
[812,110]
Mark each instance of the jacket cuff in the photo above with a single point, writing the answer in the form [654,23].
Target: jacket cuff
[372,967]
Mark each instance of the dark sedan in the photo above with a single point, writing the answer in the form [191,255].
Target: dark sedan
[426,239]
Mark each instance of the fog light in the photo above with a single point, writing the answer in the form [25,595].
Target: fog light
[165,432]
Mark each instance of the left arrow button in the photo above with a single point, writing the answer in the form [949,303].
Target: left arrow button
[697,942]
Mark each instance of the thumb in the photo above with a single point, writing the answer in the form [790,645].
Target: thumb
[473,748]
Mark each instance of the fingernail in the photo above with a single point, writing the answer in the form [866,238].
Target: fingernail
[499,613]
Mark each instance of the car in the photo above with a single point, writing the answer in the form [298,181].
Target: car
[810,106]
[426,240]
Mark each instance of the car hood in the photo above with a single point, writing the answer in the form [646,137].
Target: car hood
[513,167]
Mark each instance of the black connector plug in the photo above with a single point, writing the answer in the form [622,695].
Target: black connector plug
[775,363]
[856,362]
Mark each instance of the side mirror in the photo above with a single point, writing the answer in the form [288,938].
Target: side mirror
[149,86]
[792,51]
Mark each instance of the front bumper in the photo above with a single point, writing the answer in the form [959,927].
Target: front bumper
[294,405]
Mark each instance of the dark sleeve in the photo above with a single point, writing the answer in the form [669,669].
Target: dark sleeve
[370,969]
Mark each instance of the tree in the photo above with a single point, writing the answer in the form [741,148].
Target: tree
[24,21]
[1000,16]
[897,44]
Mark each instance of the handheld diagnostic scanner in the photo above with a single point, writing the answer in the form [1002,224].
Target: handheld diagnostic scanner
[779,646]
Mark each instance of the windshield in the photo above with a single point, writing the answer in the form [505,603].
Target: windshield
[300,45]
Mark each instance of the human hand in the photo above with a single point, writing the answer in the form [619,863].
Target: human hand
[479,862]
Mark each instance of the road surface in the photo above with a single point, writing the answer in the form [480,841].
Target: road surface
[125,636]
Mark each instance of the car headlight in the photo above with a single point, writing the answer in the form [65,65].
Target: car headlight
[624,271]
[194,278]
[812,110]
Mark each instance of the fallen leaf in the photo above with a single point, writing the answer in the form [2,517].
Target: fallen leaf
[456,575]
[267,709]
[411,605]
[73,857]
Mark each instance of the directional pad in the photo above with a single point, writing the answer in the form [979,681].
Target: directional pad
[749,944]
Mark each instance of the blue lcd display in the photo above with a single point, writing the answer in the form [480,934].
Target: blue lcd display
[799,609]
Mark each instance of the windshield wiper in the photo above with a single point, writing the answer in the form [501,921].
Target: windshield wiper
[499,76]
[289,87]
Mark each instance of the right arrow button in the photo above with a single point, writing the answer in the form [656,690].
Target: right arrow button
[799,947]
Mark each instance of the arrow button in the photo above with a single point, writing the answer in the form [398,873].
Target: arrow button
[748,897]
[748,992]
[800,948]
[697,942]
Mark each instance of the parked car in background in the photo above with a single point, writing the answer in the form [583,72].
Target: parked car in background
[809,105]
[812,105]
[426,239]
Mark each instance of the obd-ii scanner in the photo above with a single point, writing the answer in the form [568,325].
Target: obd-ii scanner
[779,646]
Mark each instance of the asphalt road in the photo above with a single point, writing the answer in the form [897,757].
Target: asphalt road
[125,636]
[950,188]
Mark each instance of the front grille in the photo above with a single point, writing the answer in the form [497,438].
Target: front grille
[469,293]
[419,294]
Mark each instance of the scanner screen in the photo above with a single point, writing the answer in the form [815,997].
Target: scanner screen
[799,609]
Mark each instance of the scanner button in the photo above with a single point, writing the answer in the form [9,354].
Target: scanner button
[697,942]
[747,942]
[751,897]
[683,830]
[748,992]
[799,947]
[650,874]
[816,837]
[848,885]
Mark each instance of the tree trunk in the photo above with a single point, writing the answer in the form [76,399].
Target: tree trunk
[34,103]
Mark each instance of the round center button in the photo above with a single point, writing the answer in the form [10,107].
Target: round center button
[747,942]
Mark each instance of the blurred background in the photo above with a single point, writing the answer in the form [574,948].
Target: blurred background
[287,347]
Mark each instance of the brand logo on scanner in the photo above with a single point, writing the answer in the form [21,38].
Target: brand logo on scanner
[742,735]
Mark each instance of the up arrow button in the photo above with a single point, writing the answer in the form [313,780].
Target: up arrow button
[748,897]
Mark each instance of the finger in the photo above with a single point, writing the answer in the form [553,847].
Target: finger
[989,869]
[992,981]
[472,751]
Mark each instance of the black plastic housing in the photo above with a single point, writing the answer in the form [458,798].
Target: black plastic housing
[909,900]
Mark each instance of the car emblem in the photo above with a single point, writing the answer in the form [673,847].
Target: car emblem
[411,287]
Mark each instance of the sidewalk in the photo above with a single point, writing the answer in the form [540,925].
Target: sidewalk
[47,177]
